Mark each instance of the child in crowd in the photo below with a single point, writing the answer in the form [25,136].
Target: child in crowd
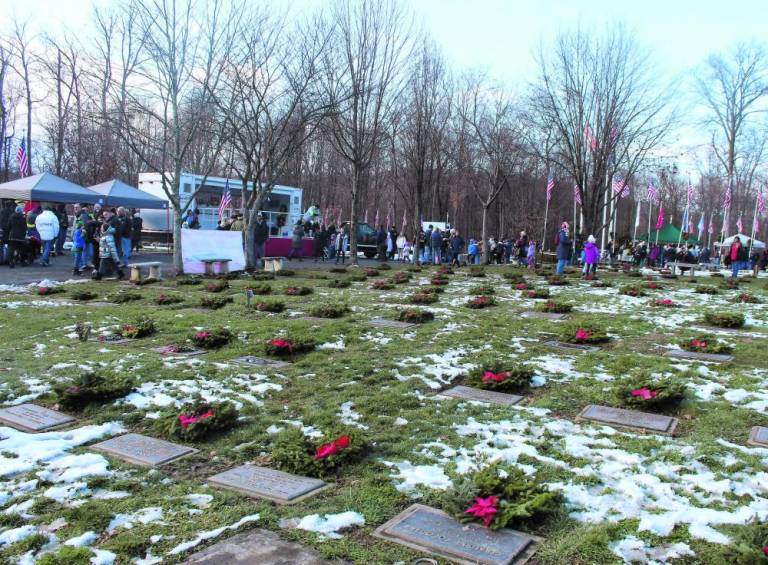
[473,256]
[531,258]
[78,244]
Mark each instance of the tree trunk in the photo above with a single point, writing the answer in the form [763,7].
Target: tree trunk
[357,180]
[178,264]
[417,230]
[484,236]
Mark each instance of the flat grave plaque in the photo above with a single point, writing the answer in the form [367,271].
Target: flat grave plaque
[572,346]
[262,482]
[629,419]
[698,356]
[33,418]
[112,340]
[143,450]
[165,351]
[382,323]
[544,315]
[252,361]
[430,530]
[479,395]
[758,436]
[312,319]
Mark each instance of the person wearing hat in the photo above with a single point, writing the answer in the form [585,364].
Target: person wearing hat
[563,248]
[260,236]
[237,223]
[17,232]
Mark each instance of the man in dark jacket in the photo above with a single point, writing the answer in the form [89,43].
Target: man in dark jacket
[5,223]
[61,214]
[137,224]
[260,236]
[17,233]
[381,243]
[563,248]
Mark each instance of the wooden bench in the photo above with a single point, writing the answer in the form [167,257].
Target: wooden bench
[272,264]
[692,266]
[154,270]
[223,266]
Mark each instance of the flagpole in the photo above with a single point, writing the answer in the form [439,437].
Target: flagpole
[544,236]
[754,218]
[574,229]
[650,213]
[637,221]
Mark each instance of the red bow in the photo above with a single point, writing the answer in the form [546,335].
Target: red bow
[484,508]
[332,448]
[186,421]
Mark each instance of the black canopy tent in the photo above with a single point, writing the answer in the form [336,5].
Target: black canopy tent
[46,187]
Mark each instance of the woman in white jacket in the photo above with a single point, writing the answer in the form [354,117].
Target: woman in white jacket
[47,225]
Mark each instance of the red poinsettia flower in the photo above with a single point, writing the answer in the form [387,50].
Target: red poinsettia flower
[43,290]
[582,334]
[644,393]
[332,448]
[699,343]
[281,344]
[186,421]
[490,376]
[521,286]
[653,285]
[665,302]
[202,335]
[484,508]
[765,550]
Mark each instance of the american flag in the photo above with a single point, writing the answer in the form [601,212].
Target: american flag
[21,157]
[591,139]
[653,193]
[711,226]
[660,219]
[618,184]
[625,191]
[226,200]
[405,222]
[702,224]
[756,227]
[727,201]
[690,193]
[760,203]
[550,185]
[577,194]
[739,225]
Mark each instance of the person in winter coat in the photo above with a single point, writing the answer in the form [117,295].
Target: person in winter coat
[473,253]
[296,241]
[436,245]
[563,248]
[531,254]
[78,244]
[110,258]
[260,236]
[17,233]
[320,242]
[739,255]
[137,224]
[61,214]
[47,225]
[381,243]
[591,255]
[457,246]
[342,241]
[522,248]
[5,219]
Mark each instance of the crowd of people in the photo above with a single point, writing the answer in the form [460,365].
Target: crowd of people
[102,239]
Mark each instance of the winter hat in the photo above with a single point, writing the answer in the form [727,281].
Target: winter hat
[591,239]
[19,209]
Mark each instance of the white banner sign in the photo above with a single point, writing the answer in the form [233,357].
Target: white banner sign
[199,245]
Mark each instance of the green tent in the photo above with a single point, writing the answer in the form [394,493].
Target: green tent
[668,234]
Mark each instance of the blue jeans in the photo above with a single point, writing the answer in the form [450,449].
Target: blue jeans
[735,266]
[47,248]
[561,263]
[60,241]
[126,243]
[436,255]
[87,254]
[77,262]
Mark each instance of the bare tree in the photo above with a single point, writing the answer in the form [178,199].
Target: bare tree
[363,78]
[23,66]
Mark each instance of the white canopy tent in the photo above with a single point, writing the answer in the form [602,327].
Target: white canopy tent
[728,241]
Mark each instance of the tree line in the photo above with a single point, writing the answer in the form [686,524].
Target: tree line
[356,104]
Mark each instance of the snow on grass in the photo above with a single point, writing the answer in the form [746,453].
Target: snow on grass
[330,524]
[634,550]
[349,417]
[436,370]
[17,534]
[210,534]
[142,516]
[431,476]
[336,345]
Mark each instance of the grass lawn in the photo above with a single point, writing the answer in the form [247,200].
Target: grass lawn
[688,496]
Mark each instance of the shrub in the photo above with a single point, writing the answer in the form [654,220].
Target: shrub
[188,281]
[431,289]
[724,319]
[653,285]
[749,545]
[143,327]
[260,289]
[601,284]
[293,452]
[197,420]
[481,301]
[414,269]
[166,299]
[422,298]
[145,282]
[338,283]
[124,297]
[49,290]
[285,273]
[341,270]
[730,284]
[704,289]
[357,278]
[67,554]
[705,343]
[664,303]
[400,277]
[381,284]
[553,307]
[439,281]
[747,298]
[445,270]
[263,276]
[297,291]
[500,377]
[384,267]
[329,311]
[522,286]
[476,271]
[646,393]
[557,280]
[513,276]
[584,332]
[212,339]
[283,347]
[88,388]
[415,316]
[215,302]
[501,496]
[82,295]
[538,293]
[482,289]
[269,306]
[217,286]
[631,290]
[372,272]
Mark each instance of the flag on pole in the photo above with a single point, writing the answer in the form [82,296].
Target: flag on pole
[660,218]
[690,193]
[365,220]
[711,226]
[702,225]
[724,228]
[376,219]
[760,202]
[637,216]
[550,185]
[739,225]
[576,194]
[618,184]
[653,193]
[684,223]
[756,227]
[591,139]
[21,157]
[226,200]
[727,201]
[625,191]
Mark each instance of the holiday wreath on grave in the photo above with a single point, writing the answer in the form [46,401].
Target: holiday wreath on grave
[197,420]
[705,343]
[422,298]
[632,290]
[482,301]
[583,332]
[87,388]
[329,310]
[143,327]
[260,289]
[339,283]
[125,297]
[645,392]
[704,289]
[747,298]
[553,307]
[286,347]
[212,339]
[382,284]
[82,295]
[724,319]
[218,286]
[415,316]
[269,306]
[48,290]
[500,496]
[213,302]
[400,277]
[664,303]
[482,289]
[500,377]
[297,291]
[166,299]
[296,453]
[538,293]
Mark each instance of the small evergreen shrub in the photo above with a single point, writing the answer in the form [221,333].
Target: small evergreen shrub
[90,388]
[553,307]
[400,277]
[297,291]
[212,339]
[704,289]
[631,290]
[500,377]
[293,452]
[197,420]
[415,316]
[372,272]
[269,306]
[125,297]
[482,289]
[480,302]
[260,289]
[285,273]
[422,298]
[381,284]
[263,276]
[82,295]
[218,286]
[329,311]
[167,299]
[538,293]
[339,283]
[143,327]
[476,271]
[724,319]
[747,298]
[188,281]
[214,302]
